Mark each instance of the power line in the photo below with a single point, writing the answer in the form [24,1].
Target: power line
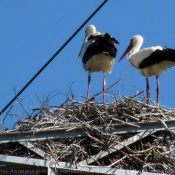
[46,64]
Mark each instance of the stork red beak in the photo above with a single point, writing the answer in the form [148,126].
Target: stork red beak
[126,51]
[81,47]
[80,50]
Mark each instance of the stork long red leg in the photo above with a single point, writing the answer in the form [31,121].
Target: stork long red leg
[104,87]
[158,89]
[89,81]
[147,90]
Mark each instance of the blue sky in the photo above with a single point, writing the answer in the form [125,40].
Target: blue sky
[32,31]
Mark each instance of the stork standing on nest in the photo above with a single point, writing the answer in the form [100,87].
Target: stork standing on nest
[98,53]
[149,61]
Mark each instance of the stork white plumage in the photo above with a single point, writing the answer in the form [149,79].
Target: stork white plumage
[98,53]
[149,61]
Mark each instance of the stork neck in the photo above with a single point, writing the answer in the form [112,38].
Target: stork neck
[135,49]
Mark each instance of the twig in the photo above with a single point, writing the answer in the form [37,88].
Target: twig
[93,138]
[70,88]
[125,122]
[52,154]
[117,161]
[95,95]
[5,117]
[21,104]
[137,94]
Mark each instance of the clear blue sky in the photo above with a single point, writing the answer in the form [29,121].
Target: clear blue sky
[32,31]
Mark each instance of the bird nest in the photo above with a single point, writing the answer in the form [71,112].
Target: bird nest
[153,153]
[92,115]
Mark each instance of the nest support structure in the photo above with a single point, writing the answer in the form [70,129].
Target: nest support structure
[124,136]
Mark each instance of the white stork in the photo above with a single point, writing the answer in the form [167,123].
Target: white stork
[98,54]
[149,61]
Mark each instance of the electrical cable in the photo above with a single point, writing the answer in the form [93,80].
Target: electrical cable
[46,64]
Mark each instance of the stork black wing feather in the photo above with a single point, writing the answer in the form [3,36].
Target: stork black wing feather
[158,56]
[105,36]
[101,44]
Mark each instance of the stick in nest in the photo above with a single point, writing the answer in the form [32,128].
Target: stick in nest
[95,95]
[21,104]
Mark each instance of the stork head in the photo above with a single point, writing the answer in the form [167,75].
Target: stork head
[90,30]
[135,43]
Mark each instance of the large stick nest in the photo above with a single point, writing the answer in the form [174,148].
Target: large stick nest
[152,153]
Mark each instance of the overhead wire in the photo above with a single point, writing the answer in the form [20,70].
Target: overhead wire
[57,52]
